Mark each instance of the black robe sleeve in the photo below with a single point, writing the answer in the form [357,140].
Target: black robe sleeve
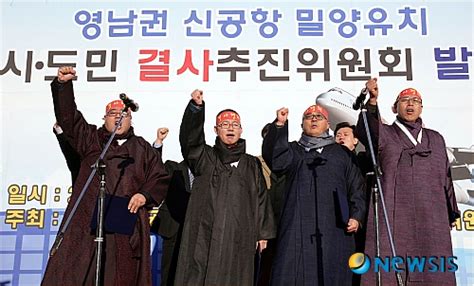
[356,192]
[266,220]
[276,150]
[191,136]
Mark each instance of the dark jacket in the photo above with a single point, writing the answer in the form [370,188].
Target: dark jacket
[170,219]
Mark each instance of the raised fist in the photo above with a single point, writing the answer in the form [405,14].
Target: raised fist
[66,73]
[373,88]
[161,134]
[197,96]
[282,116]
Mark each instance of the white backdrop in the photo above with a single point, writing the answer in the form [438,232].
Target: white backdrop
[433,42]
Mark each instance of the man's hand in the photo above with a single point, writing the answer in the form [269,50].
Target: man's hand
[352,225]
[373,88]
[65,74]
[161,134]
[138,200]
[197,96]
[261,245]
[453,224]
[282,116]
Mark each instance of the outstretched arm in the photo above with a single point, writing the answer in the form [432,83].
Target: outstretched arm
[373,117]
[275,149]
[191,132]
[78,132]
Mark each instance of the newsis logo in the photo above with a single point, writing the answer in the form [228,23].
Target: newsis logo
[360,263]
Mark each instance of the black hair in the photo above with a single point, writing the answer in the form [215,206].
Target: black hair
[344,124]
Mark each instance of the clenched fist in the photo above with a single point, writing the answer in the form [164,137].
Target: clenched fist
[282,116]
[161,134]
[197,96]
[65,74]
[373,88]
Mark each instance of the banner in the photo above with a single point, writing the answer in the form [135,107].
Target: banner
[254,57]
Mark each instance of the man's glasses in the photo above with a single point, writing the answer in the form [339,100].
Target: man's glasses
[407,99]
[115,113]
[312,116]
[227,125]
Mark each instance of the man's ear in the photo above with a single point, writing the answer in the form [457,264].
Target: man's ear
[215,129]
[394,108]
[356,141]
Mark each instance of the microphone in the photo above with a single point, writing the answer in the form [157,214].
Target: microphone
[360,99]
[129,103]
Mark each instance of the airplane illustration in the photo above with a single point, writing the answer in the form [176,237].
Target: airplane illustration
[339,104]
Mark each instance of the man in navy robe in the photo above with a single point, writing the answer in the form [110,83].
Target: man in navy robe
[323,204]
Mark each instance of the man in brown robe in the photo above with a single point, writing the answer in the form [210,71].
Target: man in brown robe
[133,172]
[417,186]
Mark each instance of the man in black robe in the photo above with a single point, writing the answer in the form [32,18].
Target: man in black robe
[276,186]
[135,180]
[417,186]
[170,219]
[228,215]
[324,202]
[344,134]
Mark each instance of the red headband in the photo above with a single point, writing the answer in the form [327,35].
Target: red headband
[116,104]
[316,109]
[409,92]
[227,115]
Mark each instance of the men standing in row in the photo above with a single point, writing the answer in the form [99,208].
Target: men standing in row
[134,175]
[324,202]
[417,187]
[229,215]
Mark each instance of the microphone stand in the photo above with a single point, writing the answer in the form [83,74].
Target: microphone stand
[379,193]
[98,166]
[376,198]
[99,239]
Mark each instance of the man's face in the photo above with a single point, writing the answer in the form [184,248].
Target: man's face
[345,136]
[228,131]
[314,124]
[409,108]
[113,116]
